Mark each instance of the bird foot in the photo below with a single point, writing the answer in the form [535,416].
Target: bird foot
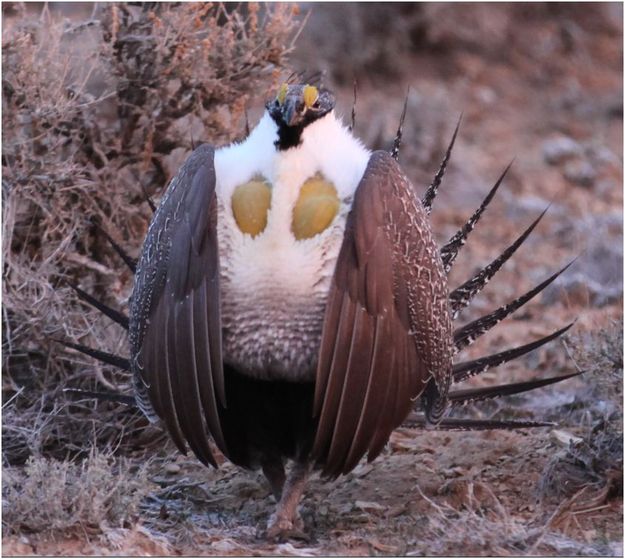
[281,529]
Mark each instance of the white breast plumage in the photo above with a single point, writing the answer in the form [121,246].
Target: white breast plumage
[273,286]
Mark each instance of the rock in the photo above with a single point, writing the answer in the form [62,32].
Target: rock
[172,468]
[382,547]
[580,172]
[369,506]
[564,438]
[486,95]
[226,545]
[601,155]
[557,150]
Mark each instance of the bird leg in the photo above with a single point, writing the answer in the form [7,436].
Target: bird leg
[286,522]
[273,470]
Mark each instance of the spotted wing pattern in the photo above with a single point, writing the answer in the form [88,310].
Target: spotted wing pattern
[175,324]
[387,334]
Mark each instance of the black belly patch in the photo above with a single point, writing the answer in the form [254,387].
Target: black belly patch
[266,419]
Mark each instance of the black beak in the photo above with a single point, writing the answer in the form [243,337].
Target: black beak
[291,112]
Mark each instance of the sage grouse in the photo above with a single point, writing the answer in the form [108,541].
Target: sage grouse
[290,304]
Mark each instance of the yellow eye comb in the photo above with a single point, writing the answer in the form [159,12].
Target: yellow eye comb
[282,94]
[311,94]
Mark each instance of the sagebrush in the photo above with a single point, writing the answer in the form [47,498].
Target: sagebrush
[97,114]
[52,496]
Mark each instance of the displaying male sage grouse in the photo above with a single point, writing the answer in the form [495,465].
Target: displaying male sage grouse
[290,304]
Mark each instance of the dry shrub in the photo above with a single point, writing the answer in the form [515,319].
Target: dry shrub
[595,460]
[93,496]
[95,113]
[480,524]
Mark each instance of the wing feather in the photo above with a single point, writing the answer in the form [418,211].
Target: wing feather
[332,396]
[387,323]
[326,351]
[208,391]
[183,377]
[375,398]
[387,413]
[193,421]
[354,388]
[162,376]
[175,322]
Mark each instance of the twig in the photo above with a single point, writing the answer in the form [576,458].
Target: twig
[5,404]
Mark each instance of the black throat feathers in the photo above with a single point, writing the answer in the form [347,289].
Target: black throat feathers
[291,136]
[288,136]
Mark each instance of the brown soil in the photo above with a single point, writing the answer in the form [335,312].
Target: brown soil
[434,494]
[521,79]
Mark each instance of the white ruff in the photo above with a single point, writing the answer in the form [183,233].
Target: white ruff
[274,287]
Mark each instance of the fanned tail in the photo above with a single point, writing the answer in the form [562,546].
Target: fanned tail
[461,297]
[115,315]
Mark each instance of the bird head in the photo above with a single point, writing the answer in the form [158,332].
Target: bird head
[297,106]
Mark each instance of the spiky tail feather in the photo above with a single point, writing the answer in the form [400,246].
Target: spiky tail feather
[352,123]
[115,316]
[415,420]
[432,190]
[463,371]
[108,358]
[400,130]
[460,297]
[450,251]
[466,335]
[462,397]
[128,260]
[148,199]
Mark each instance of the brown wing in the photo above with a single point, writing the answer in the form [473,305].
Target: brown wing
[175,323]
[387,328]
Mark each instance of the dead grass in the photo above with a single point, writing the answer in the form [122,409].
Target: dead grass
[95,113]
[93,496]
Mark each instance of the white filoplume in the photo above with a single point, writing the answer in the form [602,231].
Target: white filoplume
[274,287]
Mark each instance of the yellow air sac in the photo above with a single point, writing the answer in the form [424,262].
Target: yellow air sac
[316,207]
[250,204]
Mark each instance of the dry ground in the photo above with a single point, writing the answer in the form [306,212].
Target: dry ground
[542,85]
